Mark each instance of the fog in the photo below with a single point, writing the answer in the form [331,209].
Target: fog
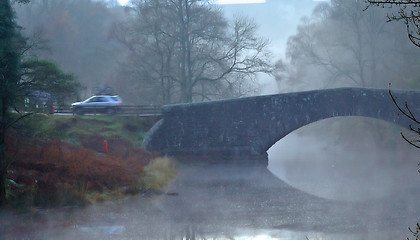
[340,178]
[333,167]
[277,20]
[221,202]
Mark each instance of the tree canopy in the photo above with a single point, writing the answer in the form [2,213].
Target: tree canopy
[45,76]
[9,81]
[185,50]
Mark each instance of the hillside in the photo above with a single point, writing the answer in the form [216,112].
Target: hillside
[61,160]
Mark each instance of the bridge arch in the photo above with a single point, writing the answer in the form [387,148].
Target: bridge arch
[368,121]
[274,138]
[245,127]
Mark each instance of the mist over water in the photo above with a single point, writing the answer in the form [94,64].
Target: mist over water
[329,166]
[220,201]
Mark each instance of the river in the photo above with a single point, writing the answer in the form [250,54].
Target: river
[221,202]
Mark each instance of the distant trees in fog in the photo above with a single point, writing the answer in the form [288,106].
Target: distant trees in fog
[343,45]
[76,37]
[407,11]
[185,51]
[160,51]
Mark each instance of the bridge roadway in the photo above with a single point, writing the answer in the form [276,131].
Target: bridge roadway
[244,129]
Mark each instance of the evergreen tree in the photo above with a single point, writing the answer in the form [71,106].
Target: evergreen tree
[9,82]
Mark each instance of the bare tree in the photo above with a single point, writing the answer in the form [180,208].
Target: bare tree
[186,50]
[408,11]
[339,43]
[409,114]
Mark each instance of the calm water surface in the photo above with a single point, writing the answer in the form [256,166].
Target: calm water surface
[221,202]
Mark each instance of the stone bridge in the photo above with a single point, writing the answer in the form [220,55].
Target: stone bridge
[244,129]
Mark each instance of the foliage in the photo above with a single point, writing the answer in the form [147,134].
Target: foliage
[87,129]
[52,172]
[46,76]
[193,53]
[9,82]
[56,172]
[13,86]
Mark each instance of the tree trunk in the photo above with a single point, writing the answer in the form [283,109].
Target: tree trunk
[3,189]
[3,163]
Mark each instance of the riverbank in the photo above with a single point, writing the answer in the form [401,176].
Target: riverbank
[65,160]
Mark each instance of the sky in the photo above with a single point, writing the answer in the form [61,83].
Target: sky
[123,2]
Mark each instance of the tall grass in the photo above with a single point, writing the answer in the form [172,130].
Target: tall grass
[158,173]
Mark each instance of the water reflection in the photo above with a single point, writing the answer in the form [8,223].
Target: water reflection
[332,165]
[219,202]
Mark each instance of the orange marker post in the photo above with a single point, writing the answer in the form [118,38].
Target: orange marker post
[105,146]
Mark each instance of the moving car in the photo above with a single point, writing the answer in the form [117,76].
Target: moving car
[98,104]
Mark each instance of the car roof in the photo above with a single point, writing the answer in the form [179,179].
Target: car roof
[107,96]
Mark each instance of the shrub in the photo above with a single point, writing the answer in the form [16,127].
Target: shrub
[58,173]
[158,173]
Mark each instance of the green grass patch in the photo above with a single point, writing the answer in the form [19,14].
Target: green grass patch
[72,129]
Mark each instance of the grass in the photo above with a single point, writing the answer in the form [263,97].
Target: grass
[60,160]
[74,128]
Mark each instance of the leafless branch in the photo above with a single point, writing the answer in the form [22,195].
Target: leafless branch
[18,119]
[409,114]
[408,12]
[415,232]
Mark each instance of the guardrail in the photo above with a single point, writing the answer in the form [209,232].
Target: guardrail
[138,110]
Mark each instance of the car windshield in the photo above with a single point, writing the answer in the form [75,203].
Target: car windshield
[116,99]
[89,99]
